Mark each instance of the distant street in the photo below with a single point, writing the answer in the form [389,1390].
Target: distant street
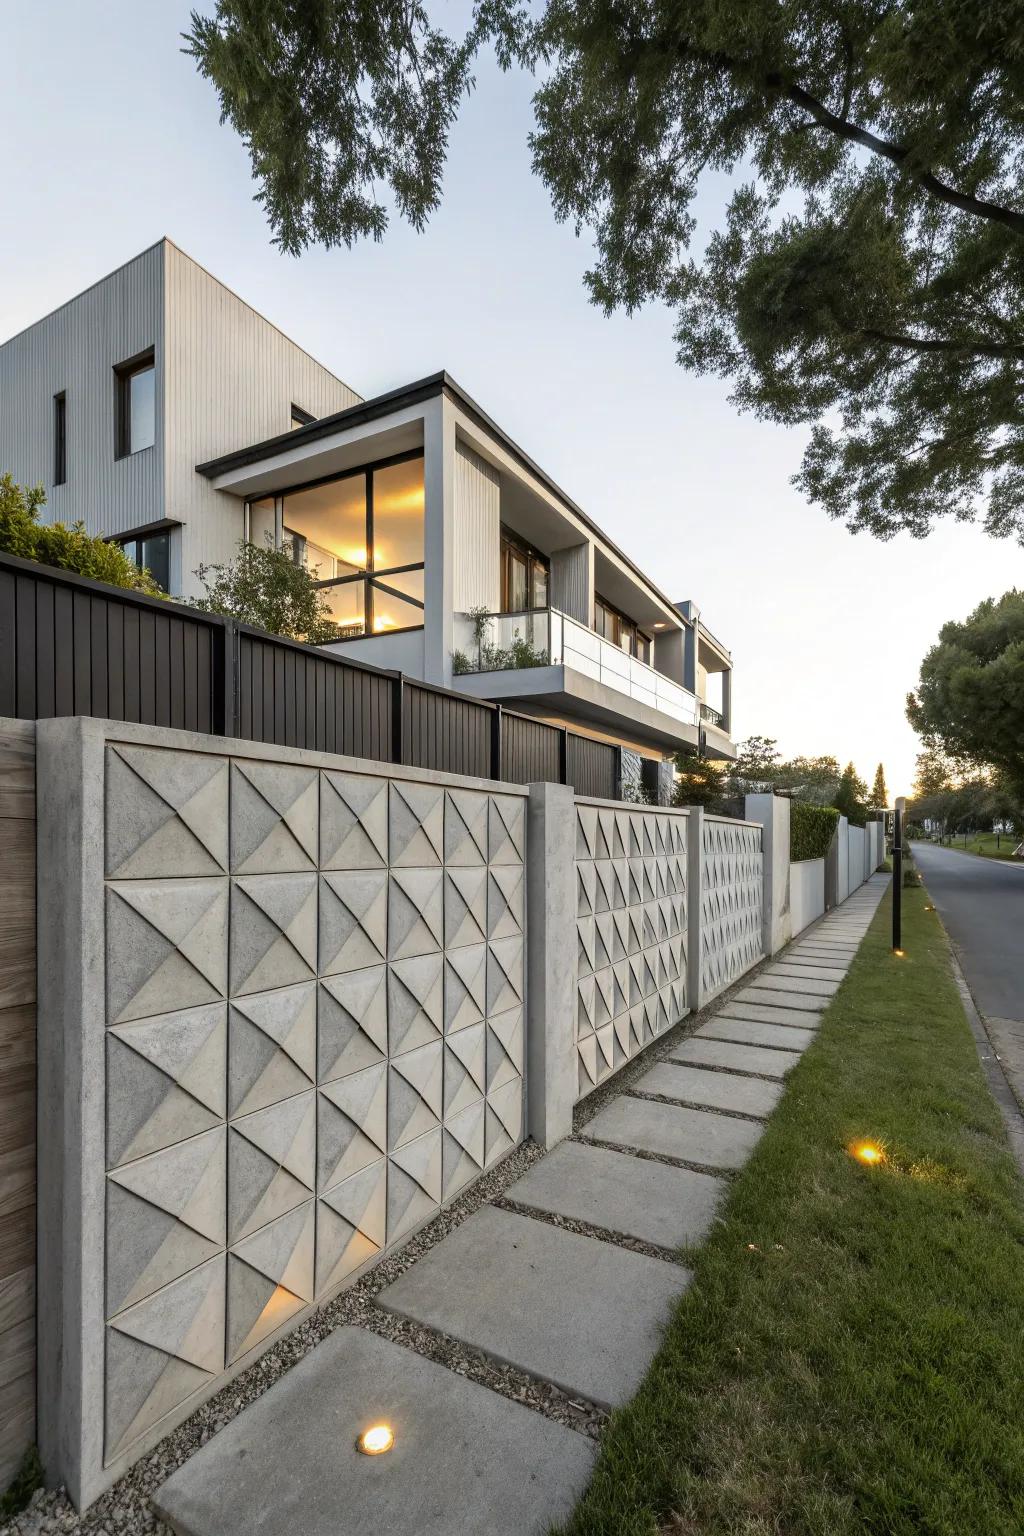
[981,902]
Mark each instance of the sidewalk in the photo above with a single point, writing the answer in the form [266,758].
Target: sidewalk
[568,1278]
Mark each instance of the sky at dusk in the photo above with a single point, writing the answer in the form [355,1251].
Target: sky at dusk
[117,142]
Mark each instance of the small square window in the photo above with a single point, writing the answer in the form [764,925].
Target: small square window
[301,418]
[151,552]
[135,405]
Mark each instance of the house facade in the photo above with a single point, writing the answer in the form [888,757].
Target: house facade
[170,417]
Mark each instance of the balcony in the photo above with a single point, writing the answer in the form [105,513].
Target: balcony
[543,658]
[712,716]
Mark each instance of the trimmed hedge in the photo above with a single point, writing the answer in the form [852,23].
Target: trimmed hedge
[811,829]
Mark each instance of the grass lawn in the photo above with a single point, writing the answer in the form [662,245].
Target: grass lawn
[985,844]
[850,1356]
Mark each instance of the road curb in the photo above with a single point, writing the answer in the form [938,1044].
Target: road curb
[991,1065]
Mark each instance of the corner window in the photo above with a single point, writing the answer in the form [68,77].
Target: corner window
[60,438]
[361,536]
[299,417]
[151,552]
[135,405]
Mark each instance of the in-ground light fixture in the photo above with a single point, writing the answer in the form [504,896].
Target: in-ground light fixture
[376,1440]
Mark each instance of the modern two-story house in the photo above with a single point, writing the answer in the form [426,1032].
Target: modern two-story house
[170,417]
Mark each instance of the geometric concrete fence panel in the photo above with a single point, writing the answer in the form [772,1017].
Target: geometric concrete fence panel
[631,933]
[282,1021]
[732,893]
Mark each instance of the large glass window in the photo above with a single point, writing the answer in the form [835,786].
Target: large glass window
[151,552]
[524,575]
[361,537]
[620,630]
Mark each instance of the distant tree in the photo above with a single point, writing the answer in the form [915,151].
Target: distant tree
[811,779]
[757,760]
[264,587]
[969,702]
[933,774]
[867,274]
[879,792]
[701,781]
[68,547]
[851,796]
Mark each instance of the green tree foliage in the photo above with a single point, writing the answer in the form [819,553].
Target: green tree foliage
[701,781]
[757,760]
[969,702]
[264,587]
[879,791]
[851,796]
[866,277]
[68,547]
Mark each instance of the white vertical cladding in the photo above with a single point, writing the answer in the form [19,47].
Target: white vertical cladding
[76,349]
[231,380]
[438,552]
[572,582]
[477,524]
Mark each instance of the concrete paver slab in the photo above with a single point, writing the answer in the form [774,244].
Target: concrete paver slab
[570,1309]
[464,1459]
[692,1135]
[743,1031]
[766,1013]
[631,1195]
[790,998]
[736,1058]
[776,982]
[805,969]
[716,1090]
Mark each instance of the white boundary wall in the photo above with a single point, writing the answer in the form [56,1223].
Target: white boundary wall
[806,893]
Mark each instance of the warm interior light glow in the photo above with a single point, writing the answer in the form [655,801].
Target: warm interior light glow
[356,557]
[867,1152]
[383,623]
[376,1440]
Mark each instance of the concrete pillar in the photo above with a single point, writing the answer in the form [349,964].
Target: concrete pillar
[572,582]
[689,678]
[694,892]
[438,540]
[669,658]
[727,701]
[551,1071]
[772,812]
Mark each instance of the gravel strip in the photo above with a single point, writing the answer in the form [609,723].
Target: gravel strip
[653,1157]
[124,1510]
[587,1229]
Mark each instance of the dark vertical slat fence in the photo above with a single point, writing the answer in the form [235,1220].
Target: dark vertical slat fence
[71,646]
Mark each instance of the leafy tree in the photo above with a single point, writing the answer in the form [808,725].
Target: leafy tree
[969,702]
[757,760]
[867,274]
[264,586]
[813,780]
[851,796]
[879,791]
[67,546]
[701,781]
[933,774]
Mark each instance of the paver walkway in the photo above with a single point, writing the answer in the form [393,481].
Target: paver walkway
[581,1306]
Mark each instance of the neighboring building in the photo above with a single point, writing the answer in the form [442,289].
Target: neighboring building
[170,416]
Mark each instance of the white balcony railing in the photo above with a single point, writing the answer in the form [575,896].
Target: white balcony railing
[543,637]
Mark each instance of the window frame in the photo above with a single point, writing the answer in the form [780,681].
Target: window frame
[369,576]
[622,620]
[512,547]
[164,528]
[300,417]
[60,437]
[123,375]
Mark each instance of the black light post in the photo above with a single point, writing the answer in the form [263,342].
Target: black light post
[897,875]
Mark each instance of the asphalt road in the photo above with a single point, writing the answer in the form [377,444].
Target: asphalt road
[981,902]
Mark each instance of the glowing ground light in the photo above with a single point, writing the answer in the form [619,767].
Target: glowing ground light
[867,1152]
[900,952]
[376,1440]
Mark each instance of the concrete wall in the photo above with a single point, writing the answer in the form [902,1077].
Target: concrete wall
[630,940]
[281,1023]
[806,893]
[732,896]
[17,1094]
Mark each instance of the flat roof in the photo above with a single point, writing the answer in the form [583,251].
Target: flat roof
[396,400]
